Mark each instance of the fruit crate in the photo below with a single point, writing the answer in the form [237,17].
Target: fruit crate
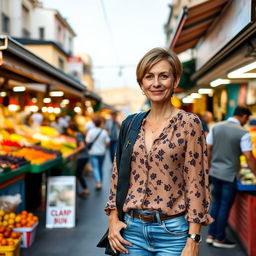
[28,235]
[5,176]
[45,166]
[11,250]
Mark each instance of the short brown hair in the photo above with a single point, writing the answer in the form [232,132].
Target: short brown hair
[97,121]
[154,56]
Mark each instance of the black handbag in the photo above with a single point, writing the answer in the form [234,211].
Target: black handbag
[128,135]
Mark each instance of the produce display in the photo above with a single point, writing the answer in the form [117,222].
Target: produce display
[22,220]
[9,162]
[246,177]
[35,156]
[253,137]
[8,237]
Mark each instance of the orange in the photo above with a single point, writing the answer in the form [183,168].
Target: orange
[17,225]
[30,214]
[11,242]
[23,222]
[4,242]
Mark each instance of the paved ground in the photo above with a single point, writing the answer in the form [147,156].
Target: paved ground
[91,223]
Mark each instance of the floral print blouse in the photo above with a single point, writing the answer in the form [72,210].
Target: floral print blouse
[173,176]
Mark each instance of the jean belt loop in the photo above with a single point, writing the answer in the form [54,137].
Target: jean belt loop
[158,217]
[131,215]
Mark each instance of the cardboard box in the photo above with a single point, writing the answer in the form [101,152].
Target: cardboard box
[28,235]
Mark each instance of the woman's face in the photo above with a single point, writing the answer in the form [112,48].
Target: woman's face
[158,83]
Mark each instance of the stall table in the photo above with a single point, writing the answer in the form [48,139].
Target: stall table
[242,218]
[13,182]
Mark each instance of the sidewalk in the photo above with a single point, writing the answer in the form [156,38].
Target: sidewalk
[91,224]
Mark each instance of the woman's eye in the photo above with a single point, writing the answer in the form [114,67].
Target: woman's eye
[149,77]
[163,76]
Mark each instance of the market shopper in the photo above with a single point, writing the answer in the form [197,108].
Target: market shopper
[167,197]
[37,118]
[226,142]
[206,118]
[82,156]
[98,140]
[113,128]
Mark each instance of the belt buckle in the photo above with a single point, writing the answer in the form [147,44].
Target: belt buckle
[147,217]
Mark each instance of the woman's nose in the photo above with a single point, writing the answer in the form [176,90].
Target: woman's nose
[156,81]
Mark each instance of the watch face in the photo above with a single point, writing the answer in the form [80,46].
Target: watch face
[197,238]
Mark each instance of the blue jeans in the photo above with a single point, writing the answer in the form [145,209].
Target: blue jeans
[97,164]
[162,238]
[223,194]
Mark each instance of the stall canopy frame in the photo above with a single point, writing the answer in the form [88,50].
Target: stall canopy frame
[17,63]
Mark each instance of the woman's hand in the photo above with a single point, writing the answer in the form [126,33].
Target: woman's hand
[191,248]
[114,236]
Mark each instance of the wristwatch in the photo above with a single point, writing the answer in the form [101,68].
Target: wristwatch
[197,238]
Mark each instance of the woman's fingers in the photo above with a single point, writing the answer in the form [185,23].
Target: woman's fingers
[116,240]
[118,246]
[122,240]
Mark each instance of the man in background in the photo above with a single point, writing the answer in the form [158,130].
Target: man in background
[113,128]
[226,141]
[206,118]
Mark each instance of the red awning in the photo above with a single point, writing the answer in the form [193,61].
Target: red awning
[194,23]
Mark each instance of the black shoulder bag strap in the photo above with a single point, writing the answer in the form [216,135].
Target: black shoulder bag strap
[98,135]
[124,161]
[127,137]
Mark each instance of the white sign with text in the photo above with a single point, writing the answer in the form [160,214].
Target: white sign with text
[61,202]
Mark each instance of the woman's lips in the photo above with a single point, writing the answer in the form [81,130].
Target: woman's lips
[157,92]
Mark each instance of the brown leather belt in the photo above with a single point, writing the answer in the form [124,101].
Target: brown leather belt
[151,217]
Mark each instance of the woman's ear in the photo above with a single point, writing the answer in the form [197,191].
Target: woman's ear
[176,83]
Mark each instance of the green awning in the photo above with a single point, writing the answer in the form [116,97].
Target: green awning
[188,70]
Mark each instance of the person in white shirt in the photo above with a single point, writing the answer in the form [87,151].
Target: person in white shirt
[37,118]
[227,141]
[100,139]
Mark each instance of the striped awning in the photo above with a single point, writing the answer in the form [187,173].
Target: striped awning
[194,22]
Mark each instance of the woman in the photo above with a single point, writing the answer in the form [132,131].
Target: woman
[82,156]
[168,196]
[100,139]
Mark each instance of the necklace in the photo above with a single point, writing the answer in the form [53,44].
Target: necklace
[154,130]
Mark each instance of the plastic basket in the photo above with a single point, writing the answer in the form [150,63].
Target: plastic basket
[28,235]
[11,250]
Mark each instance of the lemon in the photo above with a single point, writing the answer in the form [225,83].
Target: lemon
[12,215]
[6,217]
[5,223]
[17,219]
[2,213]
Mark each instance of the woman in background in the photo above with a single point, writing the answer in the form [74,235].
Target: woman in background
[82,156]
[100,139]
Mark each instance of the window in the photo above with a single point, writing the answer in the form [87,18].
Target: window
[5,23]
[41,33]
[25,33]
[61,63]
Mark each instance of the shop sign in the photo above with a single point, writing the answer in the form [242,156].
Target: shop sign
[251,93]
[61,202]
[234,19]
[75,67]
[242,94]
